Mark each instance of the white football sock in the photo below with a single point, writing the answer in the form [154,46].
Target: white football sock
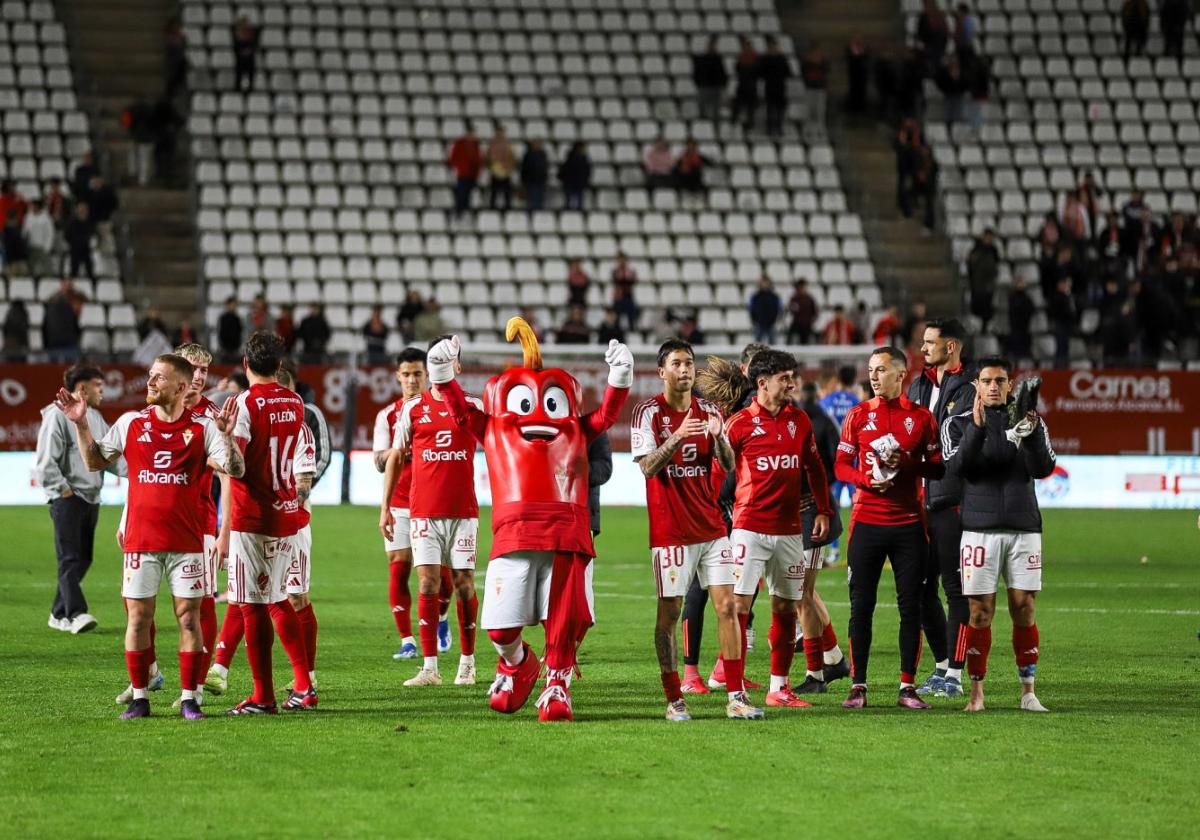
[942,665]
[777,682]
[430,663]
[466,659]
[816,675]
[139,694]
[408,640]
[833,656]
[511,652]
[221,670]
[954,673]
[187,695]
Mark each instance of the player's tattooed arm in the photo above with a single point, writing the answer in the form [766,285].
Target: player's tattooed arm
[381,459]
[235,460]
[656,460]
[723,451]
[303,487]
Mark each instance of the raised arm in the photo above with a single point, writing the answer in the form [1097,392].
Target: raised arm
[75,410]
[235,460]
[620,380]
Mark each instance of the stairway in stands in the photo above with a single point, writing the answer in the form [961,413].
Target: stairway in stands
[910,265]
[120,46]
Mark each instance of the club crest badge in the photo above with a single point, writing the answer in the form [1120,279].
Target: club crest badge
[792,428]
[187,436]
[908,424]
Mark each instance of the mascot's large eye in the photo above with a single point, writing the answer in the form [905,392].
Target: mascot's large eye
[520,400]
[554,401]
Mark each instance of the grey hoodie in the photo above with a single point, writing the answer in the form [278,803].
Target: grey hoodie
[60,465]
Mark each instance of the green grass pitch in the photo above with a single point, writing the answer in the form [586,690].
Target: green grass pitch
[1117,755]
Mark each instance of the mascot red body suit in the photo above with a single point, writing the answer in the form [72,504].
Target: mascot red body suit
[535,438]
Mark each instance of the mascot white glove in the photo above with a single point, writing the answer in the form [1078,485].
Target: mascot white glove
[443,359]
[620,365]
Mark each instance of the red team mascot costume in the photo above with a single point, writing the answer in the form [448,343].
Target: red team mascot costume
[535,439]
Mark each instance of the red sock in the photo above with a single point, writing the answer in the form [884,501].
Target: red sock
[446,592]
[287,625]
[427,613]
[260,638]
[979,644]
[829,638]
[137,662]
[308,626]
[1025,645]
[232,630]
[400,598]
[734,674]
[466,625]
[813,660]
[671,686]
[782,639]
[189,668]
[208,631]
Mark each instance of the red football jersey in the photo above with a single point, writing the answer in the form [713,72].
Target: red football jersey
[168,473]
[304,462]
[679,497]
[207,408]
[385,423]
[770,454]
[917,432]
[443,457]
[268,429]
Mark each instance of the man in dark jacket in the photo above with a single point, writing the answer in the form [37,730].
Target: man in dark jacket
[945,388]
[710,77]
[600,468]
[983,268]
[774,69]
[535,173]
[1002,525]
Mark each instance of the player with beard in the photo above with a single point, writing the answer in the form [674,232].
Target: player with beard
[165,523]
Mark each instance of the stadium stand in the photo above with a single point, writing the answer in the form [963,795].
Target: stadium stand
[1065,103]
[329,181]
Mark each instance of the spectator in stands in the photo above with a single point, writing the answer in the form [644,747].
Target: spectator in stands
[102,203]
[1173,18]
[285,326]
[61,332]
[1108,240]
[689,169]
[840,329]
[11,200]
[184,333]
[1175,237]
[1139,237]
[658,164]
[624,278]
[229,331]
[1062,315]
[56,202]
[578,283]
[575,330]
[1075,223]
[166,123]
[535,174]
[136,120]
[1118,324]
[151,322]
[887,329]
[1089,196]
[81,179]
[245,53]
[176,60]
[858,69]
[575,175]
[774,69]
[950,82]
[745,93]
[1135,26]
[918,182]
[259,317]
[1020,315]
[313,335]
[406,318]
[501,162]
[933,34]
[375,332]
[78,234]
[983,269]
[689,331]
[802,307]
[428,323]
[466,161]
[765,307]
[907,146]
[860,316]
[814,71]
[978,75]
[887,86]
[610,328]
[16,249]
[914,324]
[16,332]
[966,30]
[710,78]
[1156,320]
[910,84]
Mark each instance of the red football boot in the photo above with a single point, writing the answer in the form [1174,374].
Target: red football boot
[514,683]
[554,704]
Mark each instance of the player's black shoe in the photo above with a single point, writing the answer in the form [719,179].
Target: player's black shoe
[811,685]
[1025,400]
[836,671]
[139,708]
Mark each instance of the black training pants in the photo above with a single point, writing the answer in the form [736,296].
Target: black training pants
[74,535]
[945,538]
[869,547]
